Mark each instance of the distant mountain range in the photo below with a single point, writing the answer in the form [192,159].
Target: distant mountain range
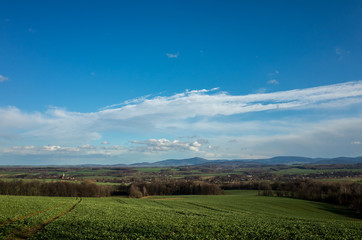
[269,161]
[287,160]
[175,162]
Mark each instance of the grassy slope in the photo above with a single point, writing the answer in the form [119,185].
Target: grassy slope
[236,215]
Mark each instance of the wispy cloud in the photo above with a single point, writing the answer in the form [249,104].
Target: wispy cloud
[208,113]
[342,53]
[276,72]
[127,102]
[161,145]
[150,146]
[172,55]
[3,78]
[260,90]
[163,112]
[31,30]
[273,81]
[202,90]
[85,149]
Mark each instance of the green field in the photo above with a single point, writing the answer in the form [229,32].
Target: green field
[156,169]
[235,215]
[22,216]
[310,171]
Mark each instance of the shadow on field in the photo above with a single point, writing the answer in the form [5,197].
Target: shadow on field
[338,210]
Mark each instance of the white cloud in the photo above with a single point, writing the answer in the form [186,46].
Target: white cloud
[162,145]
[132,101]
[3,78]
[172,55]
[53,124]
[173,111]
[329,138]
[260,90]
[273,81]
[202,90]
[86,149]
[53,148]
[47,149]
[151,146]
[86,146]
[325,138]
[197,103]
[205,113]
[105,143]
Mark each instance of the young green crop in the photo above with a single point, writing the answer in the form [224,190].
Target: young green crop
[19,213]
[13,207]
[236,215]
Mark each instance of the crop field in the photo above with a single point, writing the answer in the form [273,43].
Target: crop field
[156,169]
[235,215]
[23,216]
[308,171]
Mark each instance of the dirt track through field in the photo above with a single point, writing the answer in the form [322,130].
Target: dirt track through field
[28,232]
[29,215]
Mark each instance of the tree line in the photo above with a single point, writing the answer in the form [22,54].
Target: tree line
[142,189]
[90,189]
[55,189]
[347,194]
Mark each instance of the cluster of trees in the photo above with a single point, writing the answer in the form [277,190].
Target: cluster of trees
[90,189]
[247,185]
[56,189]
[138,190]
[347,194]
[319,175]
[285,177]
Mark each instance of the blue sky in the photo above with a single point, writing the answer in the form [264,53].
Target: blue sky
[131,81]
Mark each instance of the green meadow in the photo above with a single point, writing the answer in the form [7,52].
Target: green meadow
[236,215]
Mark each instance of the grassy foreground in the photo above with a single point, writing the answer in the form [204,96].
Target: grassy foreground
[236,215]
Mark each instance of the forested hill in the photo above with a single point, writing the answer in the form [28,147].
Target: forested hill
[269,161]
